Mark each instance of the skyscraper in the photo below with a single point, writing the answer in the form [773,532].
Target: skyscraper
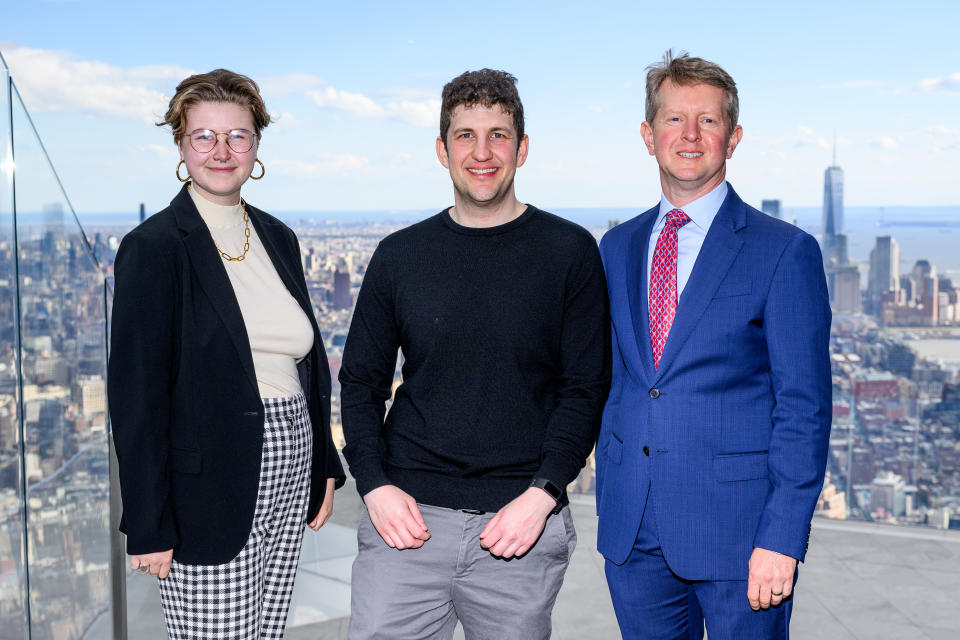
[926,290]
[884,279]
[771,208]
[832,201]
[885,266]
[341,290]
[834,244]
[846,289]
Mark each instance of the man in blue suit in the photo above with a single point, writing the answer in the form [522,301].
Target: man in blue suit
[714,438]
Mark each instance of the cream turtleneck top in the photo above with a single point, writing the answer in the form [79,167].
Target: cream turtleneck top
[279,332]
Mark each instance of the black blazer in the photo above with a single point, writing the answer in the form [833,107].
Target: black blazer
[185,409]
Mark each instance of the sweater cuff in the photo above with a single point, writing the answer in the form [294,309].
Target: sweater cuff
[557,469]
[369,474]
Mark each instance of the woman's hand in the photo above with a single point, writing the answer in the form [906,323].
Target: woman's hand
[326,507]
[156,564]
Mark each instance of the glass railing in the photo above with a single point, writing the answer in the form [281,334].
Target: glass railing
[54,455]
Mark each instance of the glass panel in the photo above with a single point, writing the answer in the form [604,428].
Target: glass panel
[64,403]
[13,579]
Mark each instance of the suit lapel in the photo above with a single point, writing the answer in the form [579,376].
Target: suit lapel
[720,248]
[208,268]
[636,264]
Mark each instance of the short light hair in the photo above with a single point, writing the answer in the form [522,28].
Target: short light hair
[218,85]
[686,70]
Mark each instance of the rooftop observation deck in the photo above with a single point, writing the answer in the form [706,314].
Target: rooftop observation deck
[861,581]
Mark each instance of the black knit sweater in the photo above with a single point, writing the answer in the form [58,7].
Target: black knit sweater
[505,336]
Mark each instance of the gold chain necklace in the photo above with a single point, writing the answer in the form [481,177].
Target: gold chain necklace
[246,236]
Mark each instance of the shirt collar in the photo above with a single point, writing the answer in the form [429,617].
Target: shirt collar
[702,211]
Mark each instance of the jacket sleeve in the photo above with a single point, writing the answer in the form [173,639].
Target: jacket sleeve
[584,373]
[797,325]
[143,345]
[366,375]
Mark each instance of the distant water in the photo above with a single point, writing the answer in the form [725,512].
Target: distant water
[944,350]
[931,233]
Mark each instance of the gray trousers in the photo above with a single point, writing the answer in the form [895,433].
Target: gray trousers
[420,594]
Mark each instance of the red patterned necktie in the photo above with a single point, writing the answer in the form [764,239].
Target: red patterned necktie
[663,283]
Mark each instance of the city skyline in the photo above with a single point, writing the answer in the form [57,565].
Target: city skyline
[893,458]
[356,93]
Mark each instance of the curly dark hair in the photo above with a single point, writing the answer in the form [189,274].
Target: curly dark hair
[485,87]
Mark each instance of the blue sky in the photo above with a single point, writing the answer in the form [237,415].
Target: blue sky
[356,90]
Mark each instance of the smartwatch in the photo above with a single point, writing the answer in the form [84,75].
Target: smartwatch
[553,490]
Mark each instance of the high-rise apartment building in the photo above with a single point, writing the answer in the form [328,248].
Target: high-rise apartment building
[884,279]
[927,290]
[846,289]
[341,290]
[885,266]
[888,492]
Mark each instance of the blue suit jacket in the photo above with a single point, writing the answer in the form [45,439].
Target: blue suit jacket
[730,433]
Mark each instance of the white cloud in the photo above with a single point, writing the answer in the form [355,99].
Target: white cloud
[884,142]
[56,81]
[776,153]
[284,119]
[325,166]
[158,149]
[951,83]
[852,84]
[807,137]
[595,108]
[943,130]
[353,103]
[424,113]
[284,84]
[419,113]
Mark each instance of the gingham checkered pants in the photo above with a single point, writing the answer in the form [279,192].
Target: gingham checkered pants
[248,597]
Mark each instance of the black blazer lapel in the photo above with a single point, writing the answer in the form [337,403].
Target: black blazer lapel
[719,249]
[208,268]
[636,264]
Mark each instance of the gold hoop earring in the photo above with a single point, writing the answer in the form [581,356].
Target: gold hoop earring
[263,170]
[178,173]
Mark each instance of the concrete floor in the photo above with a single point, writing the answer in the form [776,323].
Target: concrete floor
[860,582]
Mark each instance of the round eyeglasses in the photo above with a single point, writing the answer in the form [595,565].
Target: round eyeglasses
[239,140]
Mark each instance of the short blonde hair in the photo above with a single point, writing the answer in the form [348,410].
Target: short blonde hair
[218,85]
[686,70]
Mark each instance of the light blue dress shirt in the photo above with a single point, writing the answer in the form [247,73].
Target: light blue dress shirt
[690,236]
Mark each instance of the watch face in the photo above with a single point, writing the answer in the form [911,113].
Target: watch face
[547,486]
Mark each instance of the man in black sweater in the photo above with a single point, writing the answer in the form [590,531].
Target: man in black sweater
[500,311]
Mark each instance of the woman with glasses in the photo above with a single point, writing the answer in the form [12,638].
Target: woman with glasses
[219,385]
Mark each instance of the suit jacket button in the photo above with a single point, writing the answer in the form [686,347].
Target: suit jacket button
[646,451]
[654,393]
